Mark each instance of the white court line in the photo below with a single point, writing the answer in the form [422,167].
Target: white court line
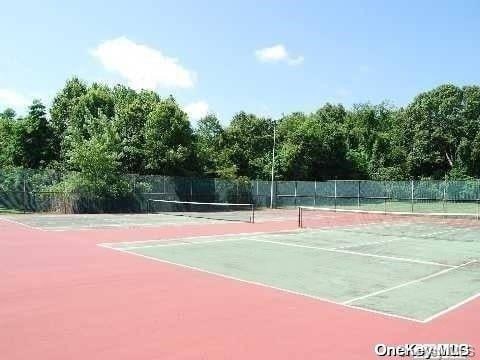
[81,227]
[127,248]
[21,224]
[399,235]
[438,273]
[246,235]
[355,253]
[439,232]
[109,226]
[358,227]
[270,286]
[202,237]
[453,307]
[366,244]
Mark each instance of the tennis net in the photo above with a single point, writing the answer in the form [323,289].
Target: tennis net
[450,227]
[204,210]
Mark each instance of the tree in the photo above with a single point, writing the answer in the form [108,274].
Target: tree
[9,114]
[313,146]
[436,126]
[168,140]
[372,144]
[62,108]
[36,137]
[210,145]
[131,112]
[10,143]
[95,163]
[249,141]
[436,135]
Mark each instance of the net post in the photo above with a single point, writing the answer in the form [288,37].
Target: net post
[300,217]
[315,194]
[253,213]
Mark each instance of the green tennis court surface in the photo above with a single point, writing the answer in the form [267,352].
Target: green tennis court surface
[421,206]
[86,221]
[416,271]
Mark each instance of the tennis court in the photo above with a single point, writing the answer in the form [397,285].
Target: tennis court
[160,213]
[188,272]
[408,267]
[94,221]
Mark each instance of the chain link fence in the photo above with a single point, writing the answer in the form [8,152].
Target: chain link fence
[23,190]
[415,196]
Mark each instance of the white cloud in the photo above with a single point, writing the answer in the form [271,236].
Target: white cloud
[142,66]
[277,53]
[13,99]
[272,54]
[197,110]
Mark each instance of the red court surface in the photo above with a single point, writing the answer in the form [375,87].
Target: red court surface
[63,297]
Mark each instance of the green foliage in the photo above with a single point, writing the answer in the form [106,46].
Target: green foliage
[209,144]
[435,127]
[26,142]
[131,112]
[248,146]
[36,137]
[9,142]
[168,140]
[313,146]
[94,162]
[95,133]
[63,107]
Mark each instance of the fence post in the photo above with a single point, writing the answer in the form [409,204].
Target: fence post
[295,192]
[413,193]
[478,199]
[191,189]
[24,195]
[358,194]
[335,194]
[315,194]
[385,195]
[445,184]
[236,190]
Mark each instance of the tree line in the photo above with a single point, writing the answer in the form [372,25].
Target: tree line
[94,133]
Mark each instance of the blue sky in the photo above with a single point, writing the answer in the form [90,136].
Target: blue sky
[265,57]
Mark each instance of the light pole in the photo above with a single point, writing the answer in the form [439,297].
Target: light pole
[273,166]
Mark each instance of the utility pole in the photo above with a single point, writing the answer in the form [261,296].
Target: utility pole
[273,166]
